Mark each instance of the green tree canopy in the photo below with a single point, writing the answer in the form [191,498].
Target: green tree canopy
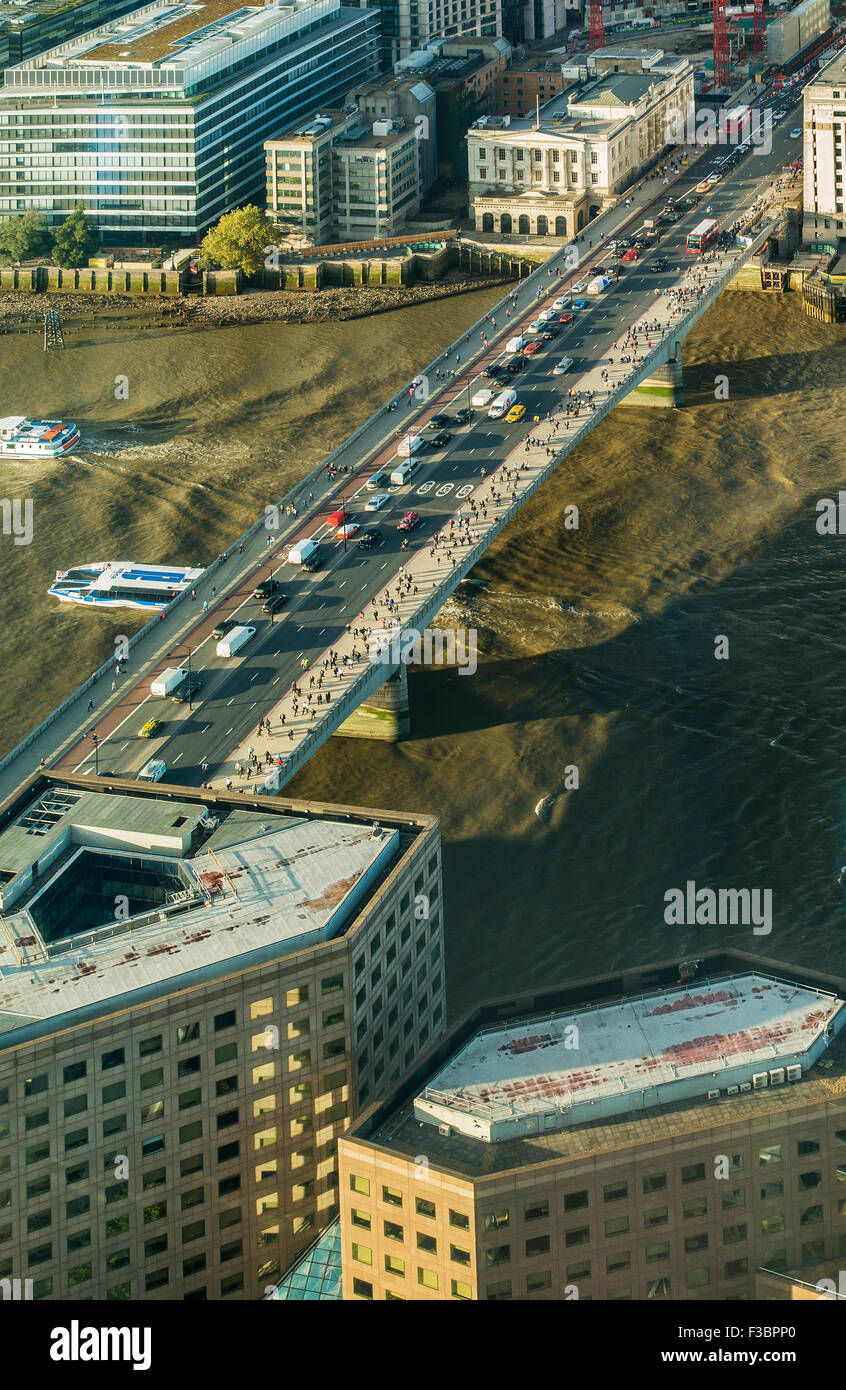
[240,239]
[75,240]
[23,237]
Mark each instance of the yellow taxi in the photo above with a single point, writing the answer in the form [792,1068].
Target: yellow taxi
[516,413]
[150,729]
[704,187]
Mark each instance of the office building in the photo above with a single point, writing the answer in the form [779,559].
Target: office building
[32,26]
[343,178]
[662,1133]
[410,99]
[794,30]
[199,991]
[407,26]
[550,176]
[823,152]
[156,122]
[524,84]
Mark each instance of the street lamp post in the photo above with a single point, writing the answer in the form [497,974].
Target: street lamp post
[95,739]
[184,647]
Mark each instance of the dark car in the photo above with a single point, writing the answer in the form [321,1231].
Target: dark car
[372,536]
[438,422]
[464,415]
[624,243]
[515,364]
[441,439]
[497,374]
[266,588]
[274,603]
[615,269]
[224,627]
[550,330]
[187,691]
[660,264]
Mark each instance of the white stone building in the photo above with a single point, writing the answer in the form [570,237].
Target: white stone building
[824,143]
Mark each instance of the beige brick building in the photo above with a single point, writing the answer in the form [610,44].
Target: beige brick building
[198,991]
[694,1133]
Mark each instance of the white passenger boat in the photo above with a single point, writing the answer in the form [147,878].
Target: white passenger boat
[35,439]
[122,584]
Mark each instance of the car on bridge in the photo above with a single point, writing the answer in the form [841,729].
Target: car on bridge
[546,316]
[370,537]
[266,588]
[580,304]
[531,348]
[409,521]
[659,264]
[565,318]
[515,364]
[188,689]
[563,366]
[561,303]
[536,325]
[439,422]
[221,629]
[376,481]
[378,502]
[150,729]
[274,603]
[441,439]
[333,519]
[796,132]
[633,254]
[578,287]
[550,330]
[464,415]
[515,413]
[494,372]
[348,530]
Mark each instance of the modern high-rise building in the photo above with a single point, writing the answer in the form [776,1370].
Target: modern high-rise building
[658,1134]
[198,991]
[156,122]
[824,153]
[407,25]
[32,26]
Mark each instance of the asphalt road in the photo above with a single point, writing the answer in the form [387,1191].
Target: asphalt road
[236,693]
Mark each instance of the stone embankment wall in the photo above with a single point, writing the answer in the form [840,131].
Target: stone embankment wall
[53,279]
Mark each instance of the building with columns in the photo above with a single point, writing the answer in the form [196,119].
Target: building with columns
[551,174]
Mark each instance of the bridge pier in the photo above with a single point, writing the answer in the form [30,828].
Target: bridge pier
[384,714]
[665,387]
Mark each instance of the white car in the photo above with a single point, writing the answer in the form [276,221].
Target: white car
[579,286]
[795,133]
[547,316]
[378,502]
[562,303]
[536,325]
[563,366]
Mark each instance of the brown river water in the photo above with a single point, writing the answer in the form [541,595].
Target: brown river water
[596,646]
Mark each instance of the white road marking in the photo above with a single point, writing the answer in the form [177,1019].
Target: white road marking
[176,759]
[276,682]
[229,731]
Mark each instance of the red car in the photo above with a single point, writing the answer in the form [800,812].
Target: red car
[337,518]
[409,521]
[531,348]
[566,318]
[632,254]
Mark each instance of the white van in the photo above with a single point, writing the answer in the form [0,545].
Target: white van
[234,640]
[516,344]
[598,284]
[153,771]
[169,681]
[404,472]
[483,397]
[502,404]
[411,444]
[302,551]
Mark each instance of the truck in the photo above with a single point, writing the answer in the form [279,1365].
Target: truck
[169,681]
[153,771]
[411,444]
[303,550]
[234,640]
[598,284]
[736,124]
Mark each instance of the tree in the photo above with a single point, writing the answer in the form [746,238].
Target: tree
[240,239]
[75,240]
[23,237]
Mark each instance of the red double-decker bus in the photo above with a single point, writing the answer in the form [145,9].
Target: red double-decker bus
[703,235]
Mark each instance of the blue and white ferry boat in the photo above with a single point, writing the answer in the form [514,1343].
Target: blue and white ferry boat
[123,584]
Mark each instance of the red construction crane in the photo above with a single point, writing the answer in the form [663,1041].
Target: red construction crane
[596,31]
[759,28]
[721,45]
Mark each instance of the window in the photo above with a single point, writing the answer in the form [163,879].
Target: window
[772,1189]
[36,1085]
[362,1253]
[360,1218]
[538,1245]
[459,1220]
[733,1269]
[694,1243]
[616,1226]
[427,1243]
[427,1277]
[537,1211]
[362,1186]
[733,1235]
[771,1153]
[497,1220]
[226,1020]
[577,1236]
[75,1072]
[112,1059]
[655,1253]
[423,1207]
[148,1047]
[460,1290]
[809,1180]
[499,1291]
[149,1079]
[188,1032]
[615,1191]
[735,1198]
[807,1146]
[615,1264]
[393,1231]
[697,1278]
[656,1217]
[811,1215]
[656,1182]
[574,1201]
[693,1172]
[362,1289]
[695,1206]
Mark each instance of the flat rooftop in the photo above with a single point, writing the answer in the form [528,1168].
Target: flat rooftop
[547,1074]
[664,1117]
[206,889]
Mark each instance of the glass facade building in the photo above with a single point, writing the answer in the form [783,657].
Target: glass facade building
[156,123]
